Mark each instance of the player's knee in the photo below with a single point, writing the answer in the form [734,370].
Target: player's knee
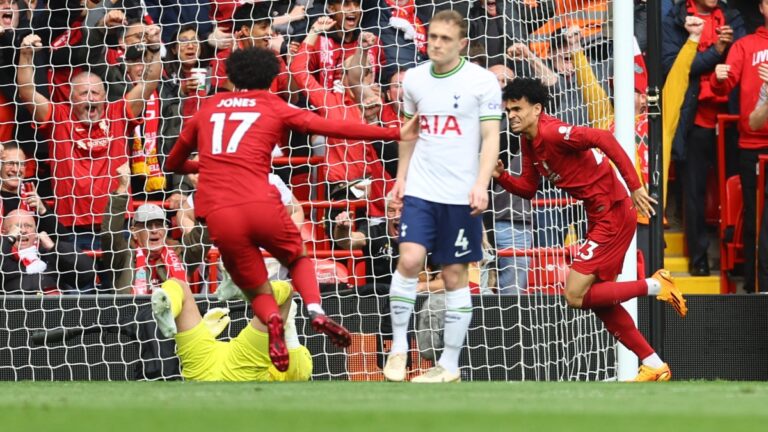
[573,299]
[410,265]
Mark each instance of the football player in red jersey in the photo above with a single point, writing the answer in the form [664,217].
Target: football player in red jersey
[567,156]
[234,134]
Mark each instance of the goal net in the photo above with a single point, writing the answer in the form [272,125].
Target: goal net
[88,117]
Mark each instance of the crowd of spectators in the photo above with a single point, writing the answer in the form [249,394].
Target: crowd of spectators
[94,94]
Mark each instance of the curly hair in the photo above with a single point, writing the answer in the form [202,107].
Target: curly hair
[533,90]
[248,14]
[252,68]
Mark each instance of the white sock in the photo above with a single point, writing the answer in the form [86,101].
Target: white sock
[653,361]
[458,314]
[316,308]
[291,336]
[402,296]
[654,286]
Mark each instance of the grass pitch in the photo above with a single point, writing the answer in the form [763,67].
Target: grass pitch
[391,407]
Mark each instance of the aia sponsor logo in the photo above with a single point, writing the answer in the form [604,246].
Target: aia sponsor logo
[440,125]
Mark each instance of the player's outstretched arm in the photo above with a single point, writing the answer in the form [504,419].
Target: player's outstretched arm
[307,122]
[178,161]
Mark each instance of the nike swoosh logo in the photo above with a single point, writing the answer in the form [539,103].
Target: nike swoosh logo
[461,254]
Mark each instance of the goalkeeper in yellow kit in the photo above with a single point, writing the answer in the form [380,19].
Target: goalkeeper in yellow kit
[245,357]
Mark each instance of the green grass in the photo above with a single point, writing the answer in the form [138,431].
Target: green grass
[225,407]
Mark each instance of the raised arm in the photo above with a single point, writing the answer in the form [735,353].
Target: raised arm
[520,51]
[357,64]
[142,91]
[38,105]
[318,95]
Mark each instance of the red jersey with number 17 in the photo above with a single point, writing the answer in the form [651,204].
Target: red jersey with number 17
[565,154]
[235,134]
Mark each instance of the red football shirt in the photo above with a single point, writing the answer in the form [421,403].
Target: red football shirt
[235,134]
[84,159]
[566,155]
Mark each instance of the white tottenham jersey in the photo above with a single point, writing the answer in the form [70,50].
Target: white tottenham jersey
[445,161]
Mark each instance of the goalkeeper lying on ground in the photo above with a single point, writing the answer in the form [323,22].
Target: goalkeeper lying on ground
[244,358]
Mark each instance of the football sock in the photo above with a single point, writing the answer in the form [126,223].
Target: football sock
[402,297]
[291,336]
[264,306]
[654,286]
[315,308]
[653,361]
[305,281]
[458,314]
[605,294]
[620,324]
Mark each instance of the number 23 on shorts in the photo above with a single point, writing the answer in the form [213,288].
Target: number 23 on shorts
[587,250]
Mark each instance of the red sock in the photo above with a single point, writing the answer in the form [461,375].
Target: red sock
[620,324]
[305,280]
[264,306]
[606,294]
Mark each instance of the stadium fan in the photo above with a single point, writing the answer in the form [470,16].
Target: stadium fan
[34,263]
[564,154]
[240,223]
[403,34]
[348,162]
[335,42]
[745,67]
[140,265]
[245,357]
[486,26]
[444,188]
[694,141]
[17,193]
[49,23]
[252,27]
[88,137]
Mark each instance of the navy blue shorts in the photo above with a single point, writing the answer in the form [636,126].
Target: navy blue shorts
[447,230]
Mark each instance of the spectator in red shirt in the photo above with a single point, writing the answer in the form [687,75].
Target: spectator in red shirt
[88,136]
[746,67]
[347,161]
[252,28]
[338,42]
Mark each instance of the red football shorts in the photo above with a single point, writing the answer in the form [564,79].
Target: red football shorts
[241,231]
[608,238]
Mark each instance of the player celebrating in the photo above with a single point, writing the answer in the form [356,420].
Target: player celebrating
[444,187]
[245,357]
[235,134]
[565,155]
